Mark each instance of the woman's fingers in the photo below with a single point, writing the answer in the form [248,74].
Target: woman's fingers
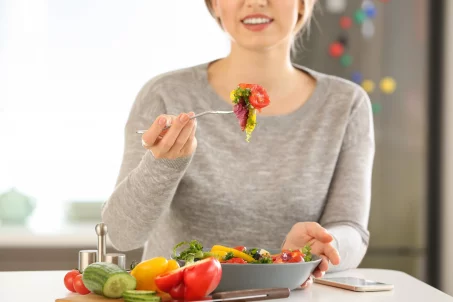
[324,264]
[332,254]
[316,231]
[318,273]
[189,145]
[167,142]
[171,142]
[152,134]
[183,136]
[307,283]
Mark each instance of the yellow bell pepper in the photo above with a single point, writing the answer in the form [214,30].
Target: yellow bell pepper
[251,123]
[219,255]
[233,95]
[235,252]
[146,271]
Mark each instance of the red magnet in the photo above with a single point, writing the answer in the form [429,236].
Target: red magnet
[345,22]
[336,49]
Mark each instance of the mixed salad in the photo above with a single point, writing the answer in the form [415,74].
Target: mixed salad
[159,279]
[247,99]
[239,254]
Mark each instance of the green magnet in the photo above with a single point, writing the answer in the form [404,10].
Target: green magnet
[376,107]
[359,16]
[346,60]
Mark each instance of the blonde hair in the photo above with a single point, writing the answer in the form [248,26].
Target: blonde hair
[302,24]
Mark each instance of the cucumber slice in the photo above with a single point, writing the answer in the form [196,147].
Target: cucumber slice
[142,299]
[140,296]
[140,292]
[117,284]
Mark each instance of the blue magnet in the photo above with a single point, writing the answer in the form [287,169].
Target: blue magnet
[357,77]
[370,11]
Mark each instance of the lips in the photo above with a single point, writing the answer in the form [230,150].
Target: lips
[256,19]
[256,22]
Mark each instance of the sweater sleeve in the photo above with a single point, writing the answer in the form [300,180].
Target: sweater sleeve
[145,186]
[347,208]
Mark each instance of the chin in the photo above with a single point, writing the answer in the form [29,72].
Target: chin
[260,44]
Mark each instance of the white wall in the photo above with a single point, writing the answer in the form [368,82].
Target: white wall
[447,240]
[69,73]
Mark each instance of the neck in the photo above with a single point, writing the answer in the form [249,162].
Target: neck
[270,68]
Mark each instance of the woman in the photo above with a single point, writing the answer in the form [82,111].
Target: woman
[305,177]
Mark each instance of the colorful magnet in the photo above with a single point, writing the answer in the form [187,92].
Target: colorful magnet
[368,29]
[369,9]
[359,16]
[368,86]
[345,22]
[376,107]
[336,49]
[357,77]
[388,85]
[346,60]
[336,6]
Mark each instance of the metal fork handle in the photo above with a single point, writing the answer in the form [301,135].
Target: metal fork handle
[195,116]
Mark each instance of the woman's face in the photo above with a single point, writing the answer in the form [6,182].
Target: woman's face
[259,24]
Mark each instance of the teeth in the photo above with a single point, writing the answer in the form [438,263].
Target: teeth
[256,21]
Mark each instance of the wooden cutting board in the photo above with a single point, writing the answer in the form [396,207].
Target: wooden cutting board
[269,294]
[86,298]
[95,298]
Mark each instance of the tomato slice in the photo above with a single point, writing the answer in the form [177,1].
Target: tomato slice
[259,98]
[236,260]
[241,248]
[278,259]
[296,258]
[244,85]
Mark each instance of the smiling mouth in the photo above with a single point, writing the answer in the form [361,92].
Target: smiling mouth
[256,21]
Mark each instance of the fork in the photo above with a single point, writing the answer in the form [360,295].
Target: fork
[195,116]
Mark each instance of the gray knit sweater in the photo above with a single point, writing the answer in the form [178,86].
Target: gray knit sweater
[314,164]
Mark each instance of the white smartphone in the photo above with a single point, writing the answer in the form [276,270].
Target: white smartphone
[354,284]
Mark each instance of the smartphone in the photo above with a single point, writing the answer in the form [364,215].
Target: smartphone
[355,284]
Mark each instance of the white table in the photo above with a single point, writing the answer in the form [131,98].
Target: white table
[46,286]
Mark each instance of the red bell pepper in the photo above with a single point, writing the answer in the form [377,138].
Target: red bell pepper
[192,282]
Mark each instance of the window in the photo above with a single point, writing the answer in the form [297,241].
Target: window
[70,71]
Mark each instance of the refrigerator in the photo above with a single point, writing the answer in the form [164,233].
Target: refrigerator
[383,46]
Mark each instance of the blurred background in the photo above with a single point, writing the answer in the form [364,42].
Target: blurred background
[70,71]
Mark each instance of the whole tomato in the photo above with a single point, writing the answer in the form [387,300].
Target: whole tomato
[79,286]
[69,279]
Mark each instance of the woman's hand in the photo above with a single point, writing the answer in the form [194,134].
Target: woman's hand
[177,141]
[319,239]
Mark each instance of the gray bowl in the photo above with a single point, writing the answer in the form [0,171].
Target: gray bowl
[254,276]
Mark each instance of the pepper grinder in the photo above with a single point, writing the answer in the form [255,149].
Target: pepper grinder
[101,230]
